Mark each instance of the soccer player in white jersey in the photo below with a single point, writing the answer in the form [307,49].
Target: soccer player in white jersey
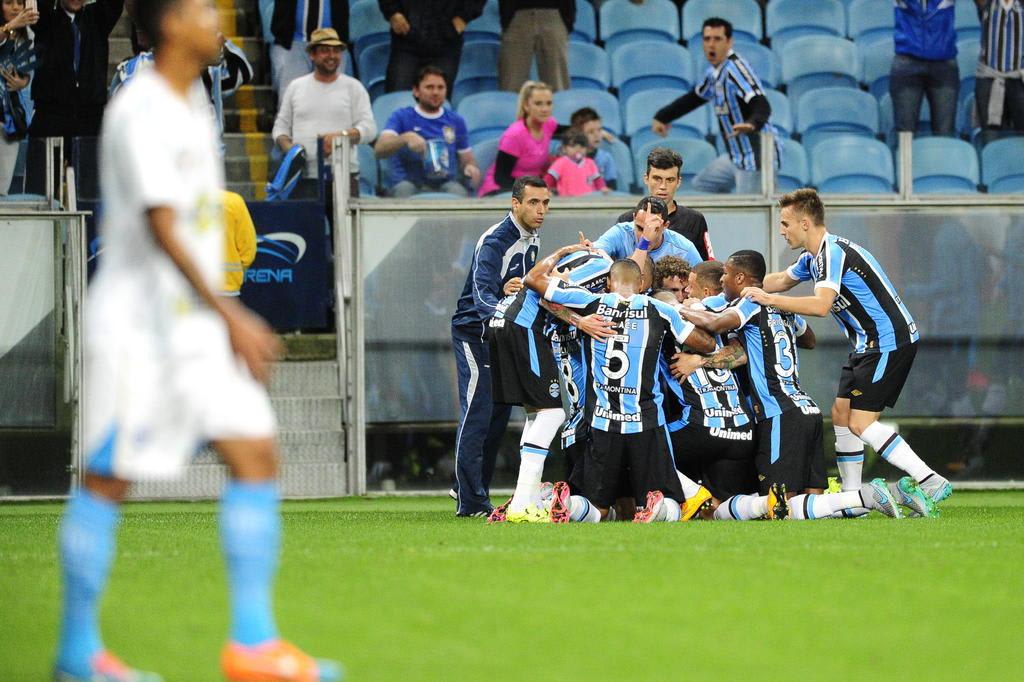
[168,363]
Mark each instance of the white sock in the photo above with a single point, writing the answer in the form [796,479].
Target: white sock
[849,457]
[823,506]
[670,510]
[893,449]
[582,511]
[537,437]
[742,508]
[689,487]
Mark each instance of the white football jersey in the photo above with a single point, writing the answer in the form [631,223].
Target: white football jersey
[159,150]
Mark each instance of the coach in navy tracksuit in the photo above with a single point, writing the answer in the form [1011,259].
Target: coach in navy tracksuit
[503,255]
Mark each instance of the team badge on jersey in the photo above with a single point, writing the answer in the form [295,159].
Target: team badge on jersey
[449,134]
[553,389]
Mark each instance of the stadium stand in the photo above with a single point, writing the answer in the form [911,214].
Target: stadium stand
[605,103]
[763,61]
[644,65]
[369,173]
[850,164]
[589,66]
[811,62]
[478,70]
[782,114]
[367,25]
[877,57]
[793,172]
[887,121]
[485,151]
[824,112]
[622,21]
[944,165]
[787,20]
[584,30]
[1001,165]
[696,155]
[384,105]
[488,114]
[966,21]
[869,21]
[486,28]
[967,51]
[372,63]
[623,164]
[744,15]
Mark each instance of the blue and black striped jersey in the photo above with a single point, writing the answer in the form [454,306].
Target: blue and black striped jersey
[624,393]
[772,371]
[867,307]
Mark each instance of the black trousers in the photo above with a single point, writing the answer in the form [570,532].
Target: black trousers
[403,66]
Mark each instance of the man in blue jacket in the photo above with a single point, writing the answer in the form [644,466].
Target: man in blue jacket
[925,64]
[503,256]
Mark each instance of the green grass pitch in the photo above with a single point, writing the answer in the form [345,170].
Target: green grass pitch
[399,589]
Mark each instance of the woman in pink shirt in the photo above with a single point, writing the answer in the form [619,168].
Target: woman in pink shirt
[524,146]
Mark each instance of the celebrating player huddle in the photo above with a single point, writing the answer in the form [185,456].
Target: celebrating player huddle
[675,410]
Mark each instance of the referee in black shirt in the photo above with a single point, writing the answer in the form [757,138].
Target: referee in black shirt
[664,167]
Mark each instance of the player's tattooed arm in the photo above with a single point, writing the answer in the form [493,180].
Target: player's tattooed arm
[592,325]
[730,356]
[716,323]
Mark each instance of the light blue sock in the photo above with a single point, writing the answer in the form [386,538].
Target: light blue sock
[86,551]
[250,527]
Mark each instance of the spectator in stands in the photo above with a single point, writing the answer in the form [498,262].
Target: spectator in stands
[664,167]
[425,32]
[574,173]
[742,110]
[535,28]
[524,147]
[588,122]
[999,87]
[70,85]
[292,23]
[239,242]
[325,104]
[424,140]
[925,64]
[17,104]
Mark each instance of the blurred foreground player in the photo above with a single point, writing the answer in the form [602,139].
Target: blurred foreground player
[169,363]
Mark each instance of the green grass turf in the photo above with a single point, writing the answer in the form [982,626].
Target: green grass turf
[399,589]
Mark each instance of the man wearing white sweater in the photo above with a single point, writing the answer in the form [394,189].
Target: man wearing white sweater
[325,103]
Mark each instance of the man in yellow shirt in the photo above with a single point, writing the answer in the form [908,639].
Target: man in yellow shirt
[239,242]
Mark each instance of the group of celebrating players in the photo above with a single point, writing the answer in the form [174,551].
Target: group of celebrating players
[678,407]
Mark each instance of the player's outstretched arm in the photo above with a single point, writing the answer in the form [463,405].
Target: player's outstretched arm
[250,336]
[539,277]
[716,323]
[817,305]
[592,325]
[700,341]
[778,281]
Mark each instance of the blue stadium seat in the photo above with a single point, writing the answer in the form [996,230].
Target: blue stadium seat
[810,62]
[789,19]
[793,174]
[367,25]
[589,66]
[877,60]
[944,165]
[639,110]
[384,105]
[568,101]
[373,67]
[967,124]
[744,15]
[782,113]
[485,152]
[763,61]
[870,20]
[967,51]
[1001,168]
[966,22]
[584,30]
[645,65]
[623,164]
[623,21]
[822,113]
[369,178]
[696,155]
[486,28]
[848,164]
[478,70]
[488,114]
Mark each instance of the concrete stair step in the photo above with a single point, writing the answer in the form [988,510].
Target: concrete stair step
[247,144]
[305,379]
[252,96]
[246,168]
[307,413]
[249,120]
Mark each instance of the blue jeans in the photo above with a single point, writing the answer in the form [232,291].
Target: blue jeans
[910,78]
[721,176]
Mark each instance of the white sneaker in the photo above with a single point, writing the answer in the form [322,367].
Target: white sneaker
[876,496]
